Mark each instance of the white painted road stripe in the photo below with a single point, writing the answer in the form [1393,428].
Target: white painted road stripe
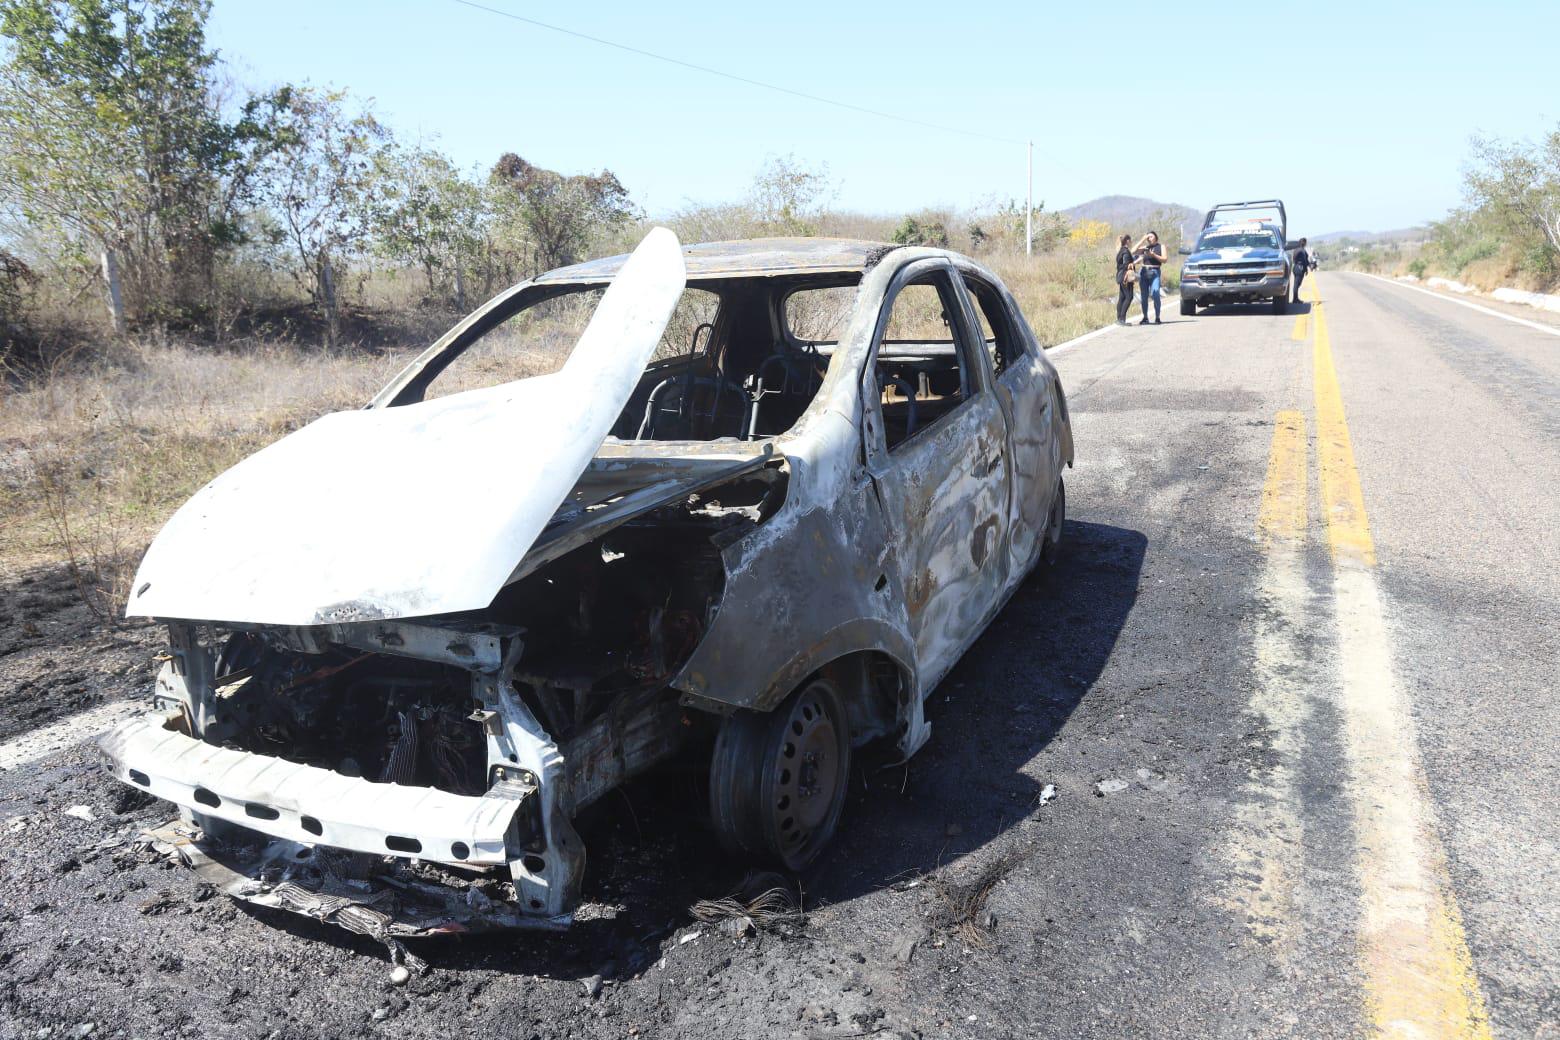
[1551,329]
[1062,347]
[68,732]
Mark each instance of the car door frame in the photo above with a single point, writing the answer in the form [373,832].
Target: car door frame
[948,610]
[1026,389]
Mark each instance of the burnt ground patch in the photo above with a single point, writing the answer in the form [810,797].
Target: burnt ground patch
[57,657]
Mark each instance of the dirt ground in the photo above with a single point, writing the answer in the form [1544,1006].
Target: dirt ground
[58,658]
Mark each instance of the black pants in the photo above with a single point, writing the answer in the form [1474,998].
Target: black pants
[1124,300]
[1299,277]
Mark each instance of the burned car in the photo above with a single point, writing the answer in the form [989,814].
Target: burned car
[754,512]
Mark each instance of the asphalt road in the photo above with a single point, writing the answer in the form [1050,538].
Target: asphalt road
[1291,687]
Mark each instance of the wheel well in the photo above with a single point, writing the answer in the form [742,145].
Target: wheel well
[876,691]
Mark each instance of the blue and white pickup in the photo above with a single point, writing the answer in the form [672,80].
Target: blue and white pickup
[1241,260]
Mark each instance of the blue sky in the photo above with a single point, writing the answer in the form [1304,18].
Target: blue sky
[1357,114]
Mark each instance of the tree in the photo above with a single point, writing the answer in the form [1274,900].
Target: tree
[430,217]
[790,198]
[1089,233]
[1518,182]
[112,141]
[557,215]
[320,179]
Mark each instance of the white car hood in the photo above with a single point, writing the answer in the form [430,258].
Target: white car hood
[412,510]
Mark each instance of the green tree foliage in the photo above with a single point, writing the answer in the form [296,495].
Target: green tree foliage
[914,232]
[1050,229]
[112,138]
[320,178]
[1517,184]
[552,217]
[430,217]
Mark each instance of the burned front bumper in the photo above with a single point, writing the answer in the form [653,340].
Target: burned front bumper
[383,859]
[310,805]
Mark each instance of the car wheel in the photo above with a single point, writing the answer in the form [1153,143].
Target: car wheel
[1051,548]
[1188,306]
[1280,304]
[778,779]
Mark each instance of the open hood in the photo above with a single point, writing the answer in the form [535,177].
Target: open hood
[411,510]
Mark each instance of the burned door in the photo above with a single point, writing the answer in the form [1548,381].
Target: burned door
[1024,389]
[936,445]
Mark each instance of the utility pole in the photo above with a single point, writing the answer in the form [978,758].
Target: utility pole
[1029,204]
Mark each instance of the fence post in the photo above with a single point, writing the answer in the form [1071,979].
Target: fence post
[116,299]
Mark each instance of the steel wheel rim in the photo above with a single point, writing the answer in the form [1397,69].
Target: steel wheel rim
[806,774]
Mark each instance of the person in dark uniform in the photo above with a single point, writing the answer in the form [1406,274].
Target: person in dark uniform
[1302,265]
[1150,253]
[1125,283]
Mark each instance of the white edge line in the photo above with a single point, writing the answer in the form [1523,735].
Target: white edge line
[1052,352]
[1552,330]
[67,733]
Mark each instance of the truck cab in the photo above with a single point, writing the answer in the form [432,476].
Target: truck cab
[1242,255]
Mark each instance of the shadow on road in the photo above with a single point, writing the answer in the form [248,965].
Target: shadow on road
[652,853]
[1250,310]
[998,709]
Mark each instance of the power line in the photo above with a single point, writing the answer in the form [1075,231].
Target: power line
[819,99]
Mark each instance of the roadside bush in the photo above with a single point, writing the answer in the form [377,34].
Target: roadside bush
[913,232]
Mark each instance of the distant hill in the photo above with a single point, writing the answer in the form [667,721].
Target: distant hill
[1132,214]
[1413,234]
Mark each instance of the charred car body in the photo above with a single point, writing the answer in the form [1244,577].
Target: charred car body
[757,513]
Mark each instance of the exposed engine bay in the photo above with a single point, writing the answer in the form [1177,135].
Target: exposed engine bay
[515,717]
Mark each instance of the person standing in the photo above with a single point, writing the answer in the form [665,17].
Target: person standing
[1126,279]
[1302,264]
[1150,253]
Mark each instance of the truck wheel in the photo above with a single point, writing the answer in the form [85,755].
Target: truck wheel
[778,779]
[1280,305]
[1188,307]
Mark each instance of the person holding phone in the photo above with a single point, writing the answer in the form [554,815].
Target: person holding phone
[1150,254]
[1126,279]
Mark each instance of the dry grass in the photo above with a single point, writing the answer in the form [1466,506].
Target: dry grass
[961,905]
[773,909]
[94,459]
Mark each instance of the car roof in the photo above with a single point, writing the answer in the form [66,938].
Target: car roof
[753,257]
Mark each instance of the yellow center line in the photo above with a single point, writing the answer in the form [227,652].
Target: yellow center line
[1343,503]
[1419,976]
[1302,326]
[1283,512]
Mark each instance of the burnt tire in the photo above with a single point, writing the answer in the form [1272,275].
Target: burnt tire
[1188,307]
[778,779]
[1051,548]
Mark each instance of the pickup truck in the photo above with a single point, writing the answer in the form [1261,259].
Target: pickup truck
[1241,256]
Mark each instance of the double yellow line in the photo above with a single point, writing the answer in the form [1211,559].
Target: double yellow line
[1419,977]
